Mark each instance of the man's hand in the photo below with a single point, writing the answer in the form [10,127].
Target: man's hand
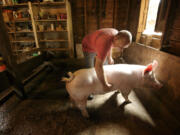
[110,61]
[100,74]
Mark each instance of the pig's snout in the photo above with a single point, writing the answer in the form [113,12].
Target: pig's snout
[157,85]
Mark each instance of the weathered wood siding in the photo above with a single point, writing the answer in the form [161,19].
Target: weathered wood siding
[171,41]
[90,15]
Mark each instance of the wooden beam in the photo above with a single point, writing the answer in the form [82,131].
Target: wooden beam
[115,13]
[33,24]
[142,18]
[70,29]
[85,17]
[98,13]
[127,14]
[168,21]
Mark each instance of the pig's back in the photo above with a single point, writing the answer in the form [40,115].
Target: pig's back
[83,77]
[88,77]
[123,76]
[124,68]
[85,81]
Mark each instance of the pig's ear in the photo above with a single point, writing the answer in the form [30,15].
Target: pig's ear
[154,65]
[151,67]
[148,68]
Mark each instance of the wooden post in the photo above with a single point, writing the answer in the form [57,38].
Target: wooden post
[70,29]
[98,13]
[33,24]
[85,17]
[115,13]
[127,15]
[166,26]
[142,18]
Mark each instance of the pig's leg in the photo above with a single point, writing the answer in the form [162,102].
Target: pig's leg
[82,106]
[125,94]
[72,104]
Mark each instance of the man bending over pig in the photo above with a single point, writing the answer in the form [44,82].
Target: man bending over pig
[97,46]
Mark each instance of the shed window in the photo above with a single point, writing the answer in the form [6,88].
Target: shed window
[151,17]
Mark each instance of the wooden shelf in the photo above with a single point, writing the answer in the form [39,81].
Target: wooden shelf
[51,20]
[53,31]
[21,32]
[60,40]
[22,41]
[55,49]
[36,3]
[19,21]
[49,3]
[66,36]
[16,5]
[29,52]
[43,49]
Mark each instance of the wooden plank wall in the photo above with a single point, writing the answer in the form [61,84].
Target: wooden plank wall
[133,19]
[90,15]
[172,33]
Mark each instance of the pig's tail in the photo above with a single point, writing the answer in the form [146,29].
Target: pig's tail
[71,76]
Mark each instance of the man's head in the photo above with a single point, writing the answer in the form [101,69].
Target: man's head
[123,39]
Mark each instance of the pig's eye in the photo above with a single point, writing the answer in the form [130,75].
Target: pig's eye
[152,75]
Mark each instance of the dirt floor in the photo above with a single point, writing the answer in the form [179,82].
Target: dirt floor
[47,111]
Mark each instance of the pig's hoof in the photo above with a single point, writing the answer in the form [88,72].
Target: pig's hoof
[85,113]
[117,92]
[72,105]
[90,97]
[127,101]
[86,116]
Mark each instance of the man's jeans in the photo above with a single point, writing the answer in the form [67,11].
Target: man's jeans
[90,59]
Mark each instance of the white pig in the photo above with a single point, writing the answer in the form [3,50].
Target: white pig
[123,77]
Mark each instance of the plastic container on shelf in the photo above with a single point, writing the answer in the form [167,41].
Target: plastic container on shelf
[2,68]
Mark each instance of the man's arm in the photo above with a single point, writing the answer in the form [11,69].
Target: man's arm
[101,75]
[109,57]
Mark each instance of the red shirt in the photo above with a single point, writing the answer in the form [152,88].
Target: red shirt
[99,42]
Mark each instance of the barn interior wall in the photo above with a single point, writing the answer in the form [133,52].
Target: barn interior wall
[90,15]
[171,42]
